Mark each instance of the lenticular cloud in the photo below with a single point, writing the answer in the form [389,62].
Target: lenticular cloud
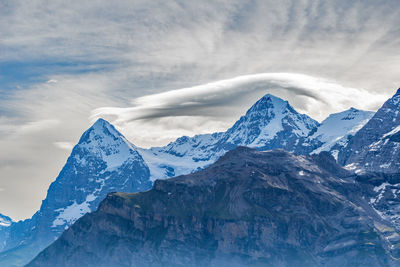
[219,103]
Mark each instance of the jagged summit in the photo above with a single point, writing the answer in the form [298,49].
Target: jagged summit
[103,128]
[103,141]
[268,121]
[97,165]
[350,114]
[100,122]
[266,103]
[268,107]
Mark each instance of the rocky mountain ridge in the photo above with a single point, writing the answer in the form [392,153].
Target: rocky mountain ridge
[250,208]
[376,146]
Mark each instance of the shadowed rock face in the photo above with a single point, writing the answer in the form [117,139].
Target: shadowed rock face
[376,146]
[249,208]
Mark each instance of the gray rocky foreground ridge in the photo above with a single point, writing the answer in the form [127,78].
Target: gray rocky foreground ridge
[250,208]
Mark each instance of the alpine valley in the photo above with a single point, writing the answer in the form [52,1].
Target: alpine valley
[303,193]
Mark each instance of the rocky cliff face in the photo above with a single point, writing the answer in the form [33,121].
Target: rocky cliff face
[376,146]
[249,208]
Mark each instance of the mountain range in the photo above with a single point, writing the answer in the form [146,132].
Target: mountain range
[105,161]
[250,208]
[376,146]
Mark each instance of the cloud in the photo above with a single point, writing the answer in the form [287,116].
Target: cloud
[164,43]
[36,126]
[158,118]
[64,145]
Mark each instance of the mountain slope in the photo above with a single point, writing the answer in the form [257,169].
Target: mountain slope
[376,146]
[102,161]
[270,123]
[334,132]
[5,223]
[183,156]
[249,208]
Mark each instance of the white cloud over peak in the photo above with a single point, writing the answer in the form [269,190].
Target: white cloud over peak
[64,145]
[158,118]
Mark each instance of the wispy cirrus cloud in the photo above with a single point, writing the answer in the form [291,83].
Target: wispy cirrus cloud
[64,145]
[167,44]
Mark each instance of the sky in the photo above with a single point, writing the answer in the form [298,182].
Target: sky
[162,69]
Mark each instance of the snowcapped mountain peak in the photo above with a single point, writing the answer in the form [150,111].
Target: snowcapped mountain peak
[103,141]
[101,124]
[270,123]
[265,110]
[350,114]
[333,132]
[268,104]
[5,221]
[267,99]
[103,161]
[101,128]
